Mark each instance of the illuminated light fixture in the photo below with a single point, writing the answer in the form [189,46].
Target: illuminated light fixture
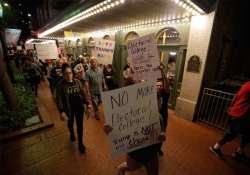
[180,3]
[83,15]
[6,4]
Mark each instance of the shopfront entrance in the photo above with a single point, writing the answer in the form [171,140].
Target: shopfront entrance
[173,58]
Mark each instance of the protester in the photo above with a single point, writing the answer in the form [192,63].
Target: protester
[55,74]
[32,72]
[70,98]
[238,124]
[95,79]
[108,75]
[128,74]
[148,156]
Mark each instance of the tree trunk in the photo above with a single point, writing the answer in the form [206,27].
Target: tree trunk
[5,83]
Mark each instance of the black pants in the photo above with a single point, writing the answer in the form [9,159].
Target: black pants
[76,114]
[237,126]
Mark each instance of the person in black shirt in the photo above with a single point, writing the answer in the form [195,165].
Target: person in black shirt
[70,98]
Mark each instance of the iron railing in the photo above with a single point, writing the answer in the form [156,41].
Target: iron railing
[213,107]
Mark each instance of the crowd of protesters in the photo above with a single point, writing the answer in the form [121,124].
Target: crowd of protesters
[77,86]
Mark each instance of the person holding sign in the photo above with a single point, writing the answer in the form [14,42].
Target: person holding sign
[145,156]
[95,79]
[70,99]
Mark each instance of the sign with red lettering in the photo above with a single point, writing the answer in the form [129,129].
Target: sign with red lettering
[133,114]
[145,58]
[103,51]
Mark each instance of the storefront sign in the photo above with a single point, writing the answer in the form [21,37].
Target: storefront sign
[103,51]
[133,114]
[145,59]
[12,36]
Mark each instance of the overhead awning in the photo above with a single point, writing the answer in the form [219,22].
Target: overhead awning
[120,14]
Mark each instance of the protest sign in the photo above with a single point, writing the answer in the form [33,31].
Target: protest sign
[46,51]
[103,51]
[145,58]
[133,114]
[12,35]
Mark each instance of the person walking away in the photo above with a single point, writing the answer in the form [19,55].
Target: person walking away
[95,79]
[70,99]
[32,73]
[238,124]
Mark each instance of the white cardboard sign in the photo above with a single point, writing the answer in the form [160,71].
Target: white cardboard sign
[103,51]
[145,58]
[133,114]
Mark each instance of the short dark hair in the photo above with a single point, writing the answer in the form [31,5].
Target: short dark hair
[65,66]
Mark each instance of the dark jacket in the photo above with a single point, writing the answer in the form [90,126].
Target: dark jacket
[63,97]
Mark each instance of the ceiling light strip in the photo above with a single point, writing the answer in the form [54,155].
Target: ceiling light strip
[96,9]
[143,24]
[189,6]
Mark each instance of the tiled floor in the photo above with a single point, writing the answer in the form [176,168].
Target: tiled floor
[49,152]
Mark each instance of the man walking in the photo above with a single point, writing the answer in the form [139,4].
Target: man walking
[239,124]
[96,81]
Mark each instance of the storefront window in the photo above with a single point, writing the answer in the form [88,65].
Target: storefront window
[168,35]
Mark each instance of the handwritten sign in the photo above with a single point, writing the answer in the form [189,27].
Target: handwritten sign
[132,112]
[47,51]
[103,50]
[145,58]
[12,35]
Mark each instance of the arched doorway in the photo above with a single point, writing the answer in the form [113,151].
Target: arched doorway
[172,55]
[130,36]
[107,37]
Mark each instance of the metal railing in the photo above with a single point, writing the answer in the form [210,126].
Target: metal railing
[213,107]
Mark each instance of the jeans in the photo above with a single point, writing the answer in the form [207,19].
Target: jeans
[237,126]
[96,100]
[78,115]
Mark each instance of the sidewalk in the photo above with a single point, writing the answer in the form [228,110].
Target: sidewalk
[49,152]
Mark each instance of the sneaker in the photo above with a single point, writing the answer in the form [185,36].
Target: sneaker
[72,138]
[217,152]
[81,148]
[240,157]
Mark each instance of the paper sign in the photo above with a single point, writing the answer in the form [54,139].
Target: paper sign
[103,51]
[133,114]
[46,51]
[12,35]
[145,59]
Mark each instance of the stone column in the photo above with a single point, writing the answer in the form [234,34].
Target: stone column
[198,43]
